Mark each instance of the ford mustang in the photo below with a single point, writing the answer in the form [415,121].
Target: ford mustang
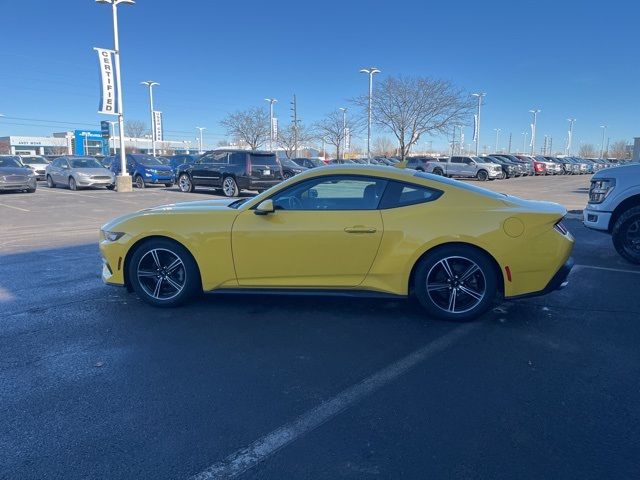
[348,230]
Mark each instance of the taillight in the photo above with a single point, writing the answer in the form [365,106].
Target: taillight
[559,226]
[249,166]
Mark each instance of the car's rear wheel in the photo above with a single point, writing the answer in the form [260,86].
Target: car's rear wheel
[503,175]
[185,184]
[139,181]
[31,190]
[287,175]
[72,184]
[626,235]
[482,175]
[456,283]
[163,273]
[168,185]
[230,187]
[50,182]
[438,171]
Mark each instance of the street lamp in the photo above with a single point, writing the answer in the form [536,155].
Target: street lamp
[371,72]
[497,130]
[151,84]
[570,137]
[604,132]
[524,142]
[85,143]
[344,130]
[200,139]
[124,179]
[480,96]
[533,130]
[271,102]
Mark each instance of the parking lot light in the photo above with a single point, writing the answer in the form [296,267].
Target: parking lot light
[124,179]
[533,129]
[480,96]
[271,102]
[570,136]
[151,84]
[604,132]
[344,130]
[200,139]
[371,72]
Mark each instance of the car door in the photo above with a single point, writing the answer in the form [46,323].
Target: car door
[62,172]
[206,171]
[455,166]
[324,232]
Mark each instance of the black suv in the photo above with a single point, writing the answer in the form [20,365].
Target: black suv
[231,170]
[419,163]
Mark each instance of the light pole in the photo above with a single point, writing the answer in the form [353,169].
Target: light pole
[570,137]
[344,131]
[200,139]
[271,102]
[524,142]
[604,132]
[112,134]
[371,72]
[480,97]
[533,130]
[497,130]
[85,143]
[151,84]
[124,179]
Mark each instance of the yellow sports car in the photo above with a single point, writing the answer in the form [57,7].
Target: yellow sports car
[355,230]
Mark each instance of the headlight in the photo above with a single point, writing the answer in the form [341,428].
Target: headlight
[112,236]
[600,189]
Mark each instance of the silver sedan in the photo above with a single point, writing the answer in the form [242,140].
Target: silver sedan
[77,172]
[15,176]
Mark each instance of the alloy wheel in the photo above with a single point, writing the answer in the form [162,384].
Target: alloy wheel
[184,182]
[632,238]
[161,274]
[456,284]
[139,182]
[229,187]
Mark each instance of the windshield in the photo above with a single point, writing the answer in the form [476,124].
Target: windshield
[34,161]
[84,163]
[10,162]
[263,159]
[147,160]
[238,203]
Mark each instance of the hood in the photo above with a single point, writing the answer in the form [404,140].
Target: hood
[200,205]
[623,170]
[156,167]
[15,171]
[93,171]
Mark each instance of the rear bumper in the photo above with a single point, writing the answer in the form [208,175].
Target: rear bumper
[557,282]
[257,184]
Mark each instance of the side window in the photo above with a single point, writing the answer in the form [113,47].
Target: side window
[238,158]
[221,158]
[400,194]
[208,158]
[456,160]
[468,161]
[332,193]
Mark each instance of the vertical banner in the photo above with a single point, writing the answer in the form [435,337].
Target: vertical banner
[475,127]
[157,126]
[533,134]
[108,93]
[274,129]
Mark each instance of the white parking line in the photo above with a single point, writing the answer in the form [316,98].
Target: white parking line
[246,458]
[17,208]
[619,270]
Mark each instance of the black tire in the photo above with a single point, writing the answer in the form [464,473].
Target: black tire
[72,184]
[230,187]
[503,176]
[482,175]
[168,185]
[185,184]
[138,181]
[438,171]
[626,235]
[287,175]
[437,300]
[31,190]
[111,187]
[147,280]
[50,182]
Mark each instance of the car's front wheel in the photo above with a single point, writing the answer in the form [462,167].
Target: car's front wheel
[50,182]
[72,184]
[626,235]
[163,273]
[482,175]
[230,187]
[457,283]
[185,184]
[139,181]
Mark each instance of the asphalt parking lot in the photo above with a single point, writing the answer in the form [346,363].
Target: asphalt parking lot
[96,384]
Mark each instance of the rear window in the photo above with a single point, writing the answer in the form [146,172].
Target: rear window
[263,159]
[398,194]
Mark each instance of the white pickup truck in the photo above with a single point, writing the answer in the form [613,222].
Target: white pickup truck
[614,207]
[468,167]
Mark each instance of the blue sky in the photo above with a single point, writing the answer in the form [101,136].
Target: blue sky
[570,59]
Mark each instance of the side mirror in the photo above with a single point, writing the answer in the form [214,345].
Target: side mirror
[264,208]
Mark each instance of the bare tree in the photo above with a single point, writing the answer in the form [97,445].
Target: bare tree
[289,139]
[135,128]
[5,147]
[59,150]
[250,126]
[587,150]
[332,128]
[619,150]
[410,107]
[383,147]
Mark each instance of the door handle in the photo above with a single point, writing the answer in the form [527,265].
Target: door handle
[360,229]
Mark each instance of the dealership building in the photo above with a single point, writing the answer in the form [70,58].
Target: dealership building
[87,142]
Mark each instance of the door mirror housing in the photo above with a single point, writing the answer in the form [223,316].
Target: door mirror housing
[265,207]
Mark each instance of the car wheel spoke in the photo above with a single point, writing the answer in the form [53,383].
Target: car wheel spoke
[452,300]
[470,271]
[147,273]
[447,268]
[472,293]
[156,290]
[174,265]
[174,284]
[156,259]
[435,287]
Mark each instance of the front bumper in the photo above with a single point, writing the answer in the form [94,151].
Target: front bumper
[29,184]
[88,182]
[154,179]
[596,219]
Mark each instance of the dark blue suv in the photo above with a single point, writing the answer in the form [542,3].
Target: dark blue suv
[182,159]
[145,170]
